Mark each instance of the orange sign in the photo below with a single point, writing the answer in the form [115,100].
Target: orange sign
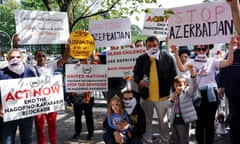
[82,44]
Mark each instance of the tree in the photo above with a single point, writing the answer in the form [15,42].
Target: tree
[80,11]
[7,24]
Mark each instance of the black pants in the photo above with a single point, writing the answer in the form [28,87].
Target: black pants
[234,111]
[87,108]
[1,127]
[205,122]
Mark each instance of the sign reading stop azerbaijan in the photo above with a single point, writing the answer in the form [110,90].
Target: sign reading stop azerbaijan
[82,44]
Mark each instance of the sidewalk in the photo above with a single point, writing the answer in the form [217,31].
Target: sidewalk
[65,128]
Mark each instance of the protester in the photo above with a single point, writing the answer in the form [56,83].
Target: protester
[83,101]
[137,121]
[182,108]
[234,5]
[229,80]
[14,70]
[154,72]
[184,55]
[117,116]
[115,84]
[43,68]
[139,44]
[207,104]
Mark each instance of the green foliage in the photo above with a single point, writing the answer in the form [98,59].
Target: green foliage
[137,33]
[79,11]
[7,24]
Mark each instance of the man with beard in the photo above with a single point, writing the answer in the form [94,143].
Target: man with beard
[137,123]
[14,70]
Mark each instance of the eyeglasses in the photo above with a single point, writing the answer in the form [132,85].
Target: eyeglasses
[201,49]
[130,98]
[12,57]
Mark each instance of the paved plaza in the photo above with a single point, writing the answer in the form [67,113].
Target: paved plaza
[65,128]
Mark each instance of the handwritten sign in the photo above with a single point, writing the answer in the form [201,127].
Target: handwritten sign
[82,44]
[112,32]
[205,23]
[31,96]
[155,23]
[42,27]
[86,77]
[121,62]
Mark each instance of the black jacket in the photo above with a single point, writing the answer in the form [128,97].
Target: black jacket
[166,73]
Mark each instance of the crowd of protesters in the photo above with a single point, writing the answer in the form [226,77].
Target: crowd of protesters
[189,89]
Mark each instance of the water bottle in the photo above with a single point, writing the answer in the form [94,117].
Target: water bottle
[145,79]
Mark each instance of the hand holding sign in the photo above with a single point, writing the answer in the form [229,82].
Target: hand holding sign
[82,44]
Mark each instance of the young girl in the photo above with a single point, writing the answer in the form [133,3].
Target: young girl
[118,118]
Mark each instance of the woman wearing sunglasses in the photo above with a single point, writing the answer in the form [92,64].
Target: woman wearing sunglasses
[205,69]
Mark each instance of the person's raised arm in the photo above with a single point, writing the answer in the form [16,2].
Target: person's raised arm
[234,4]
[234,42]
[179,64]
[65,56]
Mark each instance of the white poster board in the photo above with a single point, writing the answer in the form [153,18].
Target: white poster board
[205,23]
[86,77]
[42,27]
[121,62]
[112,32]
[22,98]
[155,23]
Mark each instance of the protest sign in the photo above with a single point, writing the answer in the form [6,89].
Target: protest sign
[82,44]
[86,77]
[205,23]
[112,32]
[155,23]
[42,27]
[31,96]
[121,62]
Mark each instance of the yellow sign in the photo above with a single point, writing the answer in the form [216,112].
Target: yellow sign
[82,45]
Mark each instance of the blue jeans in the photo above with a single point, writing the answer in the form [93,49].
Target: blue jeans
[25,128]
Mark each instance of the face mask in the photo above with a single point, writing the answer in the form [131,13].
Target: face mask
[201,58]
[16,65]
[130,105]
[14,61]
[153,52]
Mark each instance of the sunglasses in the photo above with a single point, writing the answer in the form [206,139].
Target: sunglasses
[201,49]
[130,98]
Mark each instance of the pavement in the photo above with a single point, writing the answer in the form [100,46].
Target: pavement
[65,128]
